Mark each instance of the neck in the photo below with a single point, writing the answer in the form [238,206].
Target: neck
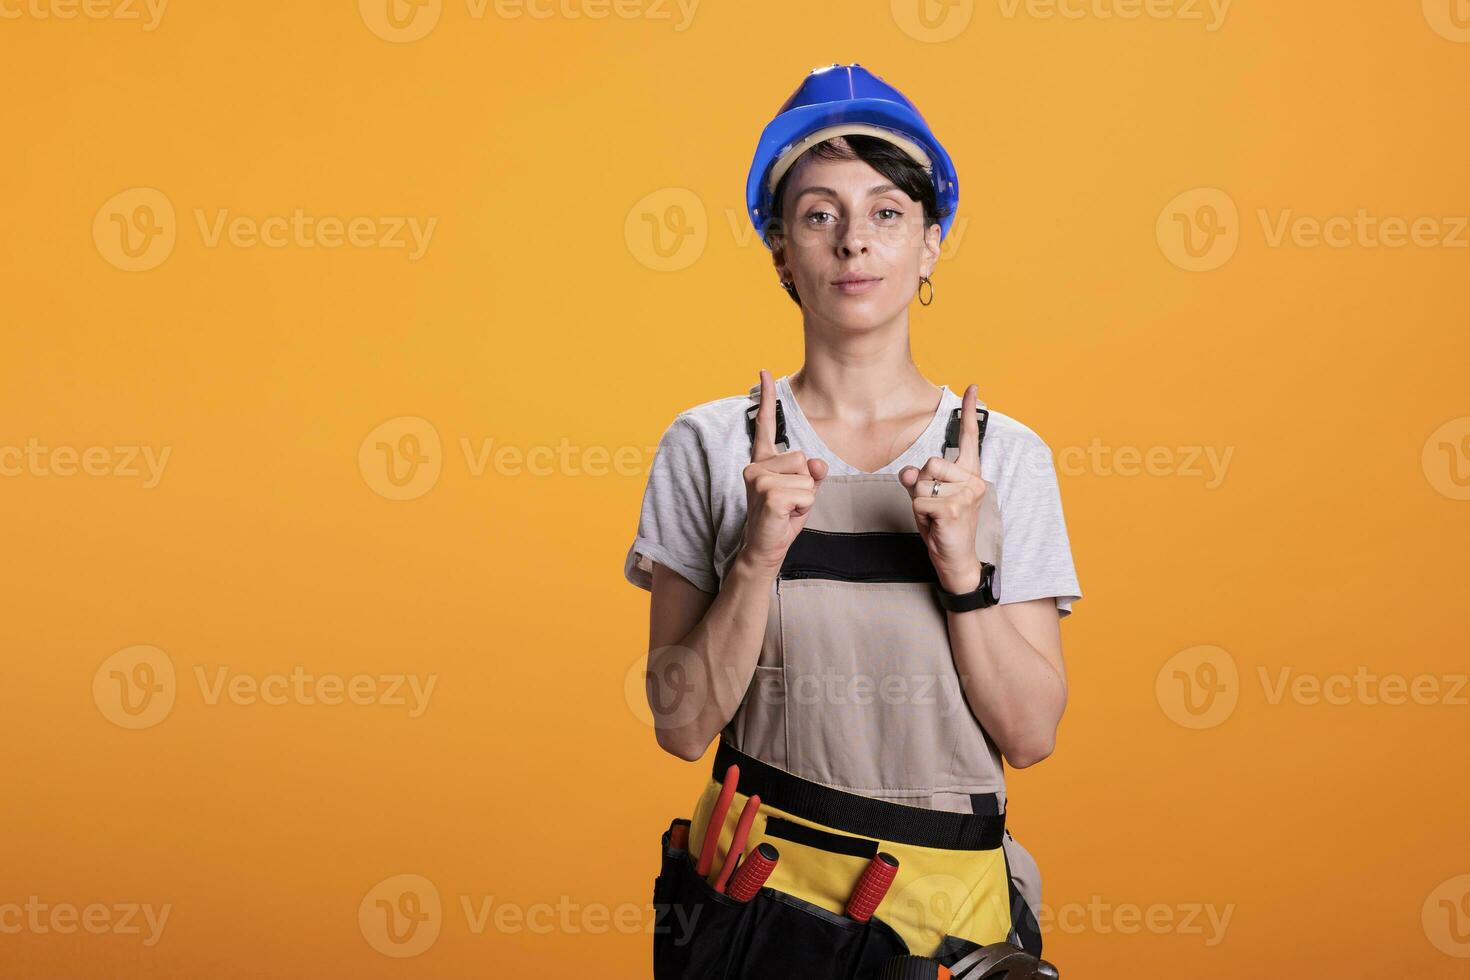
[862,381]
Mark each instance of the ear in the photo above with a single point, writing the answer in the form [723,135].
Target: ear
[931,250]
[778,258]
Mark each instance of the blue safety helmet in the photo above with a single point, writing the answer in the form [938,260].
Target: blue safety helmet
[835,101]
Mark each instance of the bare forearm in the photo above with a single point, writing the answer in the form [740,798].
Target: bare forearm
[1012,689]
[701,679]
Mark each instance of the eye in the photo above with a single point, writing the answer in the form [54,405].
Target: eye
[813,214]
[893,211]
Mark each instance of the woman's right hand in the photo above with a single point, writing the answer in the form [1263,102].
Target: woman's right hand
[780,488]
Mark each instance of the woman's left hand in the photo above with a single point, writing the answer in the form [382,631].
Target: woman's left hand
[950,521]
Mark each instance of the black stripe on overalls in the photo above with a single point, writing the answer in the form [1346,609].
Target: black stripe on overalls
[856,814]
[862,556]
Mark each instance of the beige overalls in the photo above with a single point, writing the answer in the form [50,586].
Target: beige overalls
[856,735]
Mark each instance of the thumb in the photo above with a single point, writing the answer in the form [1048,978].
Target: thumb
[908,476]
[818,469]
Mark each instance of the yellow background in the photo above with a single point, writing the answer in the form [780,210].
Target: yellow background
[544,309]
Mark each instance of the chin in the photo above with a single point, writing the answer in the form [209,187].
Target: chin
[861,313]
[860,322]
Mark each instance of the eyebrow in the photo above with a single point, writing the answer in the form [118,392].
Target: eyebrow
[873,191]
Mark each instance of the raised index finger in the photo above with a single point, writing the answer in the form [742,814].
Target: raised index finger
[763,446]
[969,433]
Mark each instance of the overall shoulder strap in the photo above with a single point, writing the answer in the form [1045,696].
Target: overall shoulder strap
[782,445]
[952,432]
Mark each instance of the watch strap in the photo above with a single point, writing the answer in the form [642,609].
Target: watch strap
[983,596]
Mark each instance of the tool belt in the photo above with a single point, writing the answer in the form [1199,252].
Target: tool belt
[951,898]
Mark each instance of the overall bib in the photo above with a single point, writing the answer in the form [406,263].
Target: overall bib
[856,737]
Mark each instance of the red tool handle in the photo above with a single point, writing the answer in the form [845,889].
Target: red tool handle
[753,872]
[872,886]
[737,845]
[717,821]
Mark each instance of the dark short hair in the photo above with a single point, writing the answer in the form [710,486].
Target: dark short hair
[900,169]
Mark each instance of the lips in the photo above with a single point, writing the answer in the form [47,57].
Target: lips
[857,278]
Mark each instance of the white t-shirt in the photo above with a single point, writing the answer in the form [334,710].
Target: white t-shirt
[693,513]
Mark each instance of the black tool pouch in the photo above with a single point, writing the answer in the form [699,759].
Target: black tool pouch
[701,934]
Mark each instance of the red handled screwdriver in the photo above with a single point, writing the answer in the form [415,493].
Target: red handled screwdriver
[717,820]
[737,845]
[753,872]
[872,886]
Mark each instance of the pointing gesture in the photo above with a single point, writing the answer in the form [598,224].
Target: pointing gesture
[946,497]
[780,488]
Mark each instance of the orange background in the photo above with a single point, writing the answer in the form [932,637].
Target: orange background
[544,310]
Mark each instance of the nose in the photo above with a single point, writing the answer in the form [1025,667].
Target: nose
[852,239]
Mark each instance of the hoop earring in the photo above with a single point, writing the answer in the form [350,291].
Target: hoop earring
[925,281]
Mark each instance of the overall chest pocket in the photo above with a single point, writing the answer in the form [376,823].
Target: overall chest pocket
[870,684]
[856,684]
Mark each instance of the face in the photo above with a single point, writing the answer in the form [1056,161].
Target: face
[854,245]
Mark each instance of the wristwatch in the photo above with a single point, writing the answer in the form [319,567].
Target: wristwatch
[983,596]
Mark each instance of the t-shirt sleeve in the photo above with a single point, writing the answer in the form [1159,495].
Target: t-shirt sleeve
[1036,555]
[675,526]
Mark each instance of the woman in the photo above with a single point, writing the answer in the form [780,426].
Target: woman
[829,595]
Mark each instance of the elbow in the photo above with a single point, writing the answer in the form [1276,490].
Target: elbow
[1029,754]
[680,748]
